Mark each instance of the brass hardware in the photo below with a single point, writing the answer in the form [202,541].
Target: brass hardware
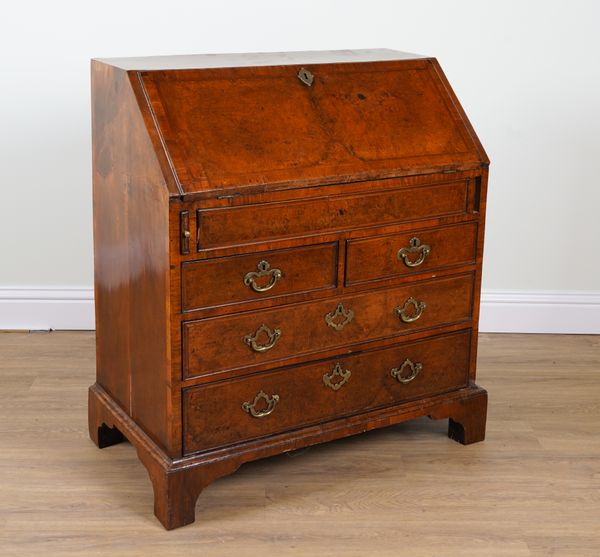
[338,371]
[184,227]
[273,336]
[332,316]
[415,247]
[271,402]
[401,312]
[264,269]
[398,373]
[306,77]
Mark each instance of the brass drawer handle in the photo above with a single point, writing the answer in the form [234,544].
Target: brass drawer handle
[415,247]
[270,401]
[398,373]
[252,339]
[333,317]
[264,270]
[402,312]
[337,372]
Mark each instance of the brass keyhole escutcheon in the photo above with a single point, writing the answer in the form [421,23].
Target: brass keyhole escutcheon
[337,378]
[306,77]
[339,317]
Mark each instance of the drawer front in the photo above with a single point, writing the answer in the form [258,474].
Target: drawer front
[257,338]
[240,409]
[240,225]
[227,280]
[410,252]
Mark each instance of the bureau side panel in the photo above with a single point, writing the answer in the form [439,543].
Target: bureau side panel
[479,207]
[131,256]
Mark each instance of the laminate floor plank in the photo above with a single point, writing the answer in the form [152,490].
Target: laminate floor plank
[532,489]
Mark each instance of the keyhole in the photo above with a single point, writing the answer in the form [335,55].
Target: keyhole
[305,77]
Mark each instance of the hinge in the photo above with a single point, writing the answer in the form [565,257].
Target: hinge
[184,229]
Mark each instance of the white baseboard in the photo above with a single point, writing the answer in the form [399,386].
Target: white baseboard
[69,308]
[502,311]
[540,311]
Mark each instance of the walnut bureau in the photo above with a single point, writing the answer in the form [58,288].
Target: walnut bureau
[288,250]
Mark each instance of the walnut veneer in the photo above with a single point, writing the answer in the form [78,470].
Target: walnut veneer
[288,250]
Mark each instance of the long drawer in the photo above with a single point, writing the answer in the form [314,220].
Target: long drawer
[236,410]
[254,339]
[249,223]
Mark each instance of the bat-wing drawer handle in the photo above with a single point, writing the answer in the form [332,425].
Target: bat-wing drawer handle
[399,373]
[415,246]
[414,307]
[252,340]
[268,405]
[264,270]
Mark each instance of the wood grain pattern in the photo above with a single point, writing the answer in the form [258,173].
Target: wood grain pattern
[214,416]
[531,490]
[241,225]
[355,118]
[220,281]
[214,345]
[377,258]
[131,257]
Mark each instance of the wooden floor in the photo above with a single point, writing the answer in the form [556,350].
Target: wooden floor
[531,489]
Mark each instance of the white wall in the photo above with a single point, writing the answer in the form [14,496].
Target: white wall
[527,73]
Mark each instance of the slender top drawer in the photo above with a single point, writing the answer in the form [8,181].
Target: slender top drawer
[226,280]
[233,411]
[249,223]
[412,252]
[257,338]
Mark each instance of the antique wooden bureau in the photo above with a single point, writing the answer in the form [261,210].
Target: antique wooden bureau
[288,250]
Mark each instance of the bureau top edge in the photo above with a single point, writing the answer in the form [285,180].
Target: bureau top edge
[238,60]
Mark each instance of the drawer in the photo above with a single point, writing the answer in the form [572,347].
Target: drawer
[241,409]
[263,337]
[227,280]
[411,252]
[249,223]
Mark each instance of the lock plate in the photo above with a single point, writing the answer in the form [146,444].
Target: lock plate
[306,77]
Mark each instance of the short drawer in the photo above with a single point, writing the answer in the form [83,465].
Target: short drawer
[241,409]
[249,223]
[254,339]
[227,280]
[411,252]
